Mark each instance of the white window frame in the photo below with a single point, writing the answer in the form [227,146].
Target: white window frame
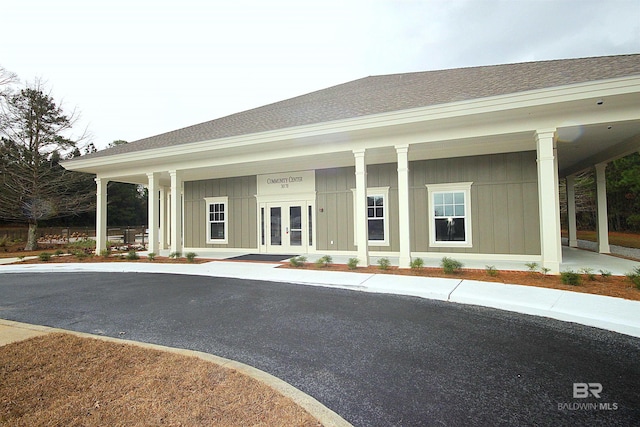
[208,201]
[461,187]
[374,191]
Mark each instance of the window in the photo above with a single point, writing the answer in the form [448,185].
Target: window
[449,215]
[377,216]
[217,219]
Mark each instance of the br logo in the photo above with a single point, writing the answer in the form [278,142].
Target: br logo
[584,390]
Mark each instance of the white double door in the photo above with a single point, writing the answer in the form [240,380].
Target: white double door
[287,227]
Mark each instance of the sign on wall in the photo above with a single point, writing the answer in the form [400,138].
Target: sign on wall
[287,183]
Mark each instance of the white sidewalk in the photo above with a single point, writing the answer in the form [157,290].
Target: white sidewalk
[609,313]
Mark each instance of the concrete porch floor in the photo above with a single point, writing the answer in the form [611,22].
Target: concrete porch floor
[572,259]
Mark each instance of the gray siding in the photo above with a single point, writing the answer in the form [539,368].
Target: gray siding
[242,212]
[504,201]
[335,197]
[334,209]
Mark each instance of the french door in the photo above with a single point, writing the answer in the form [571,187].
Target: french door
[287,227]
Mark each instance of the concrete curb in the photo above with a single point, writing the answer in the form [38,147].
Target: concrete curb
[614,314]
[17,331]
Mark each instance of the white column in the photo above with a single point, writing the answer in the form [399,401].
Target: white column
[176,211]
[362,235]
[153,208]
[101,214]
[163,219]
[402,152]
[571,211]
[603,222]
[549,200]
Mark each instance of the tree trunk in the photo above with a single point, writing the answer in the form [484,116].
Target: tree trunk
[32,237]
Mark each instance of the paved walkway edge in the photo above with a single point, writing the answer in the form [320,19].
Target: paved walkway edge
[324,415]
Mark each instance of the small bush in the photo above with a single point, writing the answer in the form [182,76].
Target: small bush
[589,273]
[545,270]
[80,254]
[384,263]
[532,266]
[353,263]
[132,255]
[44,256]
[570,277]
[151,256]
[325,261]
[605,273]
[58,252]
[105,253]
[175,255]
[190,256]
[491,270]
[450,265]
[417,264]
[634,276]
[298,261]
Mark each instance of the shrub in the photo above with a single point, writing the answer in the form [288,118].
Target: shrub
[80,254]
[545,270]
[353,263]
[570,277]
[175,255]
[105,253]
[450,265]
[417,264]
[532,266]
[384,263]
[634,276]
[44,256]
[605,273]
[151,256]
[132,255]
[325,261]
[190,256]
[589,273]
[58,252]
[298,261]
[491,270]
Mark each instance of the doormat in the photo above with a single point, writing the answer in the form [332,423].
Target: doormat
[262,257]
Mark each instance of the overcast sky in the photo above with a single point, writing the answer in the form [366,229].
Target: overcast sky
[137,68]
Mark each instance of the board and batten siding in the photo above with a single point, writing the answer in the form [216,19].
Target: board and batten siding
[335,211]
[242,211]
[504,201]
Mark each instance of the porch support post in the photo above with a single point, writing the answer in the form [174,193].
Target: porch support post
[176,210]
[402,152]
[153,208]
[101,214]
[362,238]
[603,223]
[549,200]
[163,218]
[571,211]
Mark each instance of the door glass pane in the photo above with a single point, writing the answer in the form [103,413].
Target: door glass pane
[295,225]
[276,226]
[310,226]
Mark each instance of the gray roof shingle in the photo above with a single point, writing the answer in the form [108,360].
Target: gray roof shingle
[380,94]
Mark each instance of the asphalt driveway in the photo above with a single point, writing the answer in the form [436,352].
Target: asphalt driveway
[374,359]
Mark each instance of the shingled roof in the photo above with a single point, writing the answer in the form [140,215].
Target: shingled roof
[381,94]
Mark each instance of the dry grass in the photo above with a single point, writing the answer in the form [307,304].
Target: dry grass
[64,380]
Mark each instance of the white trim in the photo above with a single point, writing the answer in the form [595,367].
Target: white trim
[223,200]
[465,188]
[374,191]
